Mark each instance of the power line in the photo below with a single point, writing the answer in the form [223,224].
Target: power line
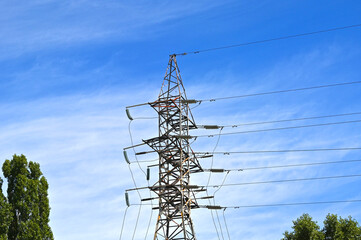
[278,129]
[274,205]
[209,179]
[122,228]
[252,183]
[282,204]
[284,166]
[140,167]
[210,154]
[131,141]
[144,161]
[258,94]
[225,223]
[137,221]
[272,129]
[278,121]
[287,180]
[271,39]
[261,130]
[214,201]
[280,91]
[206,154]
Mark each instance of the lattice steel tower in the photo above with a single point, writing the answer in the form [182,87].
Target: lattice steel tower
[176,159]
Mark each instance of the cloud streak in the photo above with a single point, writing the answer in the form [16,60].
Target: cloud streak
[38,25]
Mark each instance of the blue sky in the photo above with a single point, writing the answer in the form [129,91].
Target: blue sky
[69,68]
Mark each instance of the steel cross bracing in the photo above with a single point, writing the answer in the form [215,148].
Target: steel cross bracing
[176,159]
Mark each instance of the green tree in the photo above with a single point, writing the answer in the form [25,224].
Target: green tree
[5,214]
[348,229]
[331,224]
[304,228]
[27,194]
[335,228]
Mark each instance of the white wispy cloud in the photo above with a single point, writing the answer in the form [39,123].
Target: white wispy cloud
[78,141]
[29,26]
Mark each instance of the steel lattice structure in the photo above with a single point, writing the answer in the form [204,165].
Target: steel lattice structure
[176,159]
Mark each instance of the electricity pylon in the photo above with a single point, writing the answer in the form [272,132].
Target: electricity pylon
[176,159]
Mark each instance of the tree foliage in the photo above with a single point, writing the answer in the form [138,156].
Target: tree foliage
[27,196]
[304,228]
[5,214]
[335,228]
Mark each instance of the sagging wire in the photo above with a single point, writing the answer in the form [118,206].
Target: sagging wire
[264,93]
[121,231]
[282,151]
[151,215]
[287,180]
[131,119]
[140,197]
[269,40]
[264,182]
[225,223]
[145,161]
[144,118]
[198,104]
[214,201]
[281,91]
[214,150]
[194,139]
[136,223]
[125,214]
[150,194]
[278,121]
[281,128]
[282,166]
[207,154]
[285,204]
[131,140]
[292,120]
[209,179]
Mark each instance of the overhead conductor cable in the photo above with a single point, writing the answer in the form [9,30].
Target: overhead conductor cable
[267,93]
[271,39]
[284,204]
[282,151]
[214,170]
[209,179]
[282,128]
[260,182]
[214,201]
[277,121]
[146,174]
